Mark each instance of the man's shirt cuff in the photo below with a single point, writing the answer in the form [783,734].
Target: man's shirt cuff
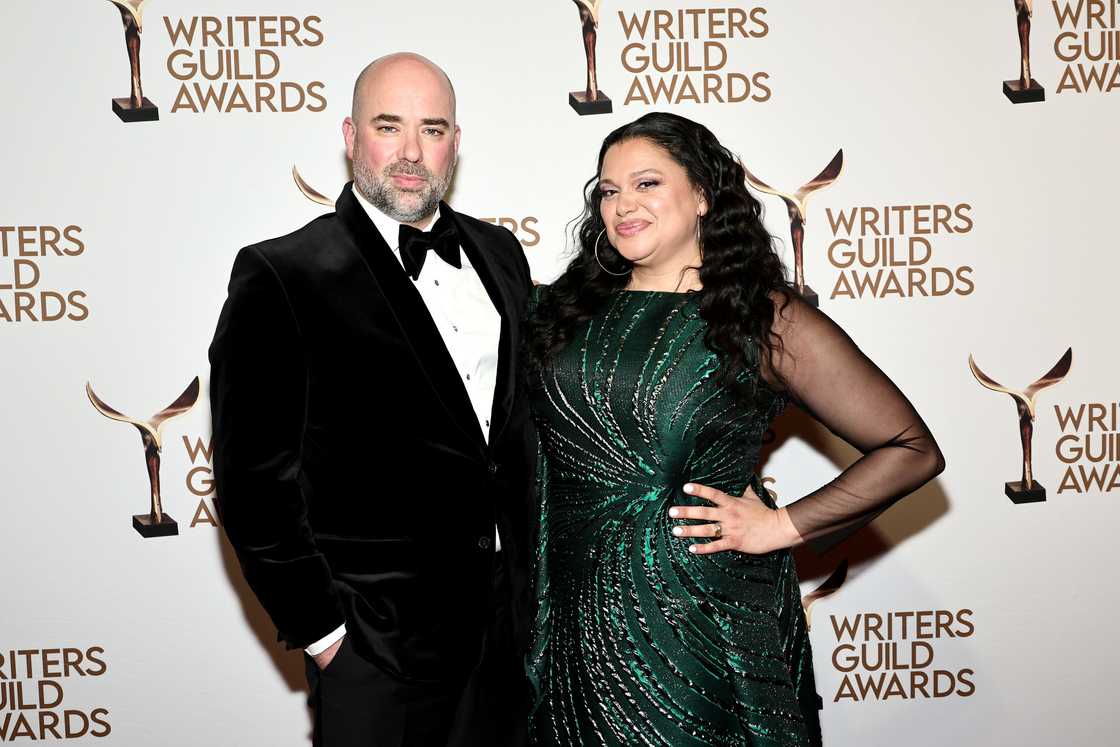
[326,641]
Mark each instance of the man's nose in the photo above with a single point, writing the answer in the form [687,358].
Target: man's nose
[410,148]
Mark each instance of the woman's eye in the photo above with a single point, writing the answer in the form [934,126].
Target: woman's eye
[604,193]
[648,183]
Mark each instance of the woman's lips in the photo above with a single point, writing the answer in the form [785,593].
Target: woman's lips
[629,228]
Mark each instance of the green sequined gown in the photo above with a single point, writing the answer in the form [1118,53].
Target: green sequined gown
[637,641]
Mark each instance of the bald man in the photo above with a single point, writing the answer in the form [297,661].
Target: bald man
[372,443]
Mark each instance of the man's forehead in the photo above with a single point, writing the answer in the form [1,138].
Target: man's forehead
[407,112]
[408,101]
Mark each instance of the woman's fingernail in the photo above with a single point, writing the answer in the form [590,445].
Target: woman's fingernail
[673,512]
[688,488]
[677,531]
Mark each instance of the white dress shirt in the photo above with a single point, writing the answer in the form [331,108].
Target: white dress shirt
[467,321]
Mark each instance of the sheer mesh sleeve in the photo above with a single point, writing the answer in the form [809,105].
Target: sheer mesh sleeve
[824,372]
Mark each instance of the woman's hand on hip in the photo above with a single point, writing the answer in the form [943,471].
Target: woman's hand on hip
[742,523]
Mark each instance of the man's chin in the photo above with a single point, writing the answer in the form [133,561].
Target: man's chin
[405,199]
[411,204]
[405,205]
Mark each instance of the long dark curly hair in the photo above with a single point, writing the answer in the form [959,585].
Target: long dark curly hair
[739,270]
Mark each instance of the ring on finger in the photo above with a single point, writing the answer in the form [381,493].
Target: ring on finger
[717,530]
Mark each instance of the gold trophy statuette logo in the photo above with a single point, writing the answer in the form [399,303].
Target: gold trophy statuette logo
[137,107]
[795,203]
[155,523]
[1026,88]
[310,192]
[1027,489]
[590,100]
[830,586]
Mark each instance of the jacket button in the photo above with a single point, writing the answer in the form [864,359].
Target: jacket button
[493,467]
[484,543]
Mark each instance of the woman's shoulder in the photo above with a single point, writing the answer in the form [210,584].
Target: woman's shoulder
[792,312]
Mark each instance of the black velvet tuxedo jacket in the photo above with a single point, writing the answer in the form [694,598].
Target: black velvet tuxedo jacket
[353,479]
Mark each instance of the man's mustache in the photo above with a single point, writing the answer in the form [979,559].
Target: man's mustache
[407,169]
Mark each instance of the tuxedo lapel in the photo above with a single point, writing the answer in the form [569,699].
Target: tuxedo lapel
[481,256]
[412,316]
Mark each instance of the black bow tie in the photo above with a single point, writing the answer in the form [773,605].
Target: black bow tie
[414,245]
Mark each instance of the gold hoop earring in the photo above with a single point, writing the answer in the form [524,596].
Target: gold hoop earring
[600,263]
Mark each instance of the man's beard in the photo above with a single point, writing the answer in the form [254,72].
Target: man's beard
[398,204]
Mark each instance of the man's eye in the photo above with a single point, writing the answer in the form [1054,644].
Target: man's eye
[433,131]
[386,128]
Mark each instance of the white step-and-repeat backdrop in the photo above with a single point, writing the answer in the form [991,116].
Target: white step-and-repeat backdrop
[966,217]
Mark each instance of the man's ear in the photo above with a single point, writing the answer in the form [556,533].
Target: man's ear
[348,133]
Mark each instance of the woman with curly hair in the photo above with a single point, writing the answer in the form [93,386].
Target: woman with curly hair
[668,608]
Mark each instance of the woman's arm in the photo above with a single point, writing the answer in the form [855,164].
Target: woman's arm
[831,378]
[823,370]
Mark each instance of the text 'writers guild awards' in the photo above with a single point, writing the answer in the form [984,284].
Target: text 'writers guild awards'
[1026,88]
[1027,489]
[137,107]
[590,100]
[795,203]
[155,523]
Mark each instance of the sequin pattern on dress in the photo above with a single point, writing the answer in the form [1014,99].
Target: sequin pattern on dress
[636,640]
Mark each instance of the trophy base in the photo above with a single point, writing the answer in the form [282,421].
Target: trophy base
[578,100]
[148,527]
[1018,494]
[146,112]
[809,296]
[1016,94]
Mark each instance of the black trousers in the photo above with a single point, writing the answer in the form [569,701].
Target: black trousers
[357,704]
